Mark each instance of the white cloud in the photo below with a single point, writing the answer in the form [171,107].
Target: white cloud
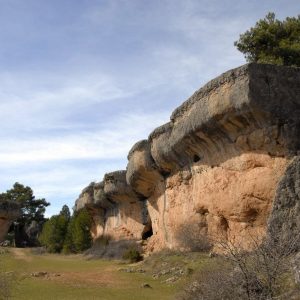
[58,168]
[73,93]
[112,141]
[47,98]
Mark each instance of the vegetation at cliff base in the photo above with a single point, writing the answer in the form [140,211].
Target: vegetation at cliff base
[70,234]
[54,232]
[133,255]
[272,41]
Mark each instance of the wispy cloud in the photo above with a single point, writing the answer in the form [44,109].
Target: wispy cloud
[44,98]
[114,140]
[82,82]
[59,167]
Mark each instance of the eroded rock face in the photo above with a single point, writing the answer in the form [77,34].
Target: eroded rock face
[9,211]
[285,217]
[86,197]
[224,151]
[142,174]
[116,209]
[254,107]
[216,165]
[231,201]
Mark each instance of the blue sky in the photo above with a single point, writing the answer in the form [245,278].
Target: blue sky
[82,81]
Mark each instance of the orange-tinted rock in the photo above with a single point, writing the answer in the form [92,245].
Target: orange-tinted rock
[232,200]
[116,210]
[216,165]
[254,107]
[142,173]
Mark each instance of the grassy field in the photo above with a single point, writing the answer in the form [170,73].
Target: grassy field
[75,277]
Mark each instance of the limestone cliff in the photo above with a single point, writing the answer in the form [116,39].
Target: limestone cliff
[9,211]
[285,217]
[214,167]
[116,209]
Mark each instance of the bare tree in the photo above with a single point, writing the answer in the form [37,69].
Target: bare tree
[192,237]
[257,274]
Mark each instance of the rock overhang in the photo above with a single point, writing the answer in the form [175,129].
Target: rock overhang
[251,112]
[230,115]
[108,193]
[240,101]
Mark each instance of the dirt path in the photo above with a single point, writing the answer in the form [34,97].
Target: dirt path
[20,253]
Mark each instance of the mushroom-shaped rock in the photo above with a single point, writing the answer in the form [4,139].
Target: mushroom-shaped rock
[86,197]
[100,198]
[254,107]
[117,189]
[127,219]
[93,199]
[215,165]
[9,211]
[142,173]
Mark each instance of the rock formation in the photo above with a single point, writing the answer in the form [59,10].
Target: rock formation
[285,217]
[9,211]
[214,168]
[117,210]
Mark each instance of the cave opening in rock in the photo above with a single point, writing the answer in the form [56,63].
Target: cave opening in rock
[196,158]
[251,215]
[224,224]
[147,232]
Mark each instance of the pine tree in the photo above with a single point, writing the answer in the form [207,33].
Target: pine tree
[272,41]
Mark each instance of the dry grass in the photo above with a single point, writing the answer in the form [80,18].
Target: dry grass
[75,277]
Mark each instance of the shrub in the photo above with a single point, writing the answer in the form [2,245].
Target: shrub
[216,283]
[191,238]
[133,255]
[105,247]
[258,274]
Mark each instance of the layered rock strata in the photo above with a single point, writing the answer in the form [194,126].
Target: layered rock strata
[9,211]
[215,167]
[117,211]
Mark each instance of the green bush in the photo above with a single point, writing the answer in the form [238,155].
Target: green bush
[78,237]
[133,255]
[53,233]
[67,234]
[272,41]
